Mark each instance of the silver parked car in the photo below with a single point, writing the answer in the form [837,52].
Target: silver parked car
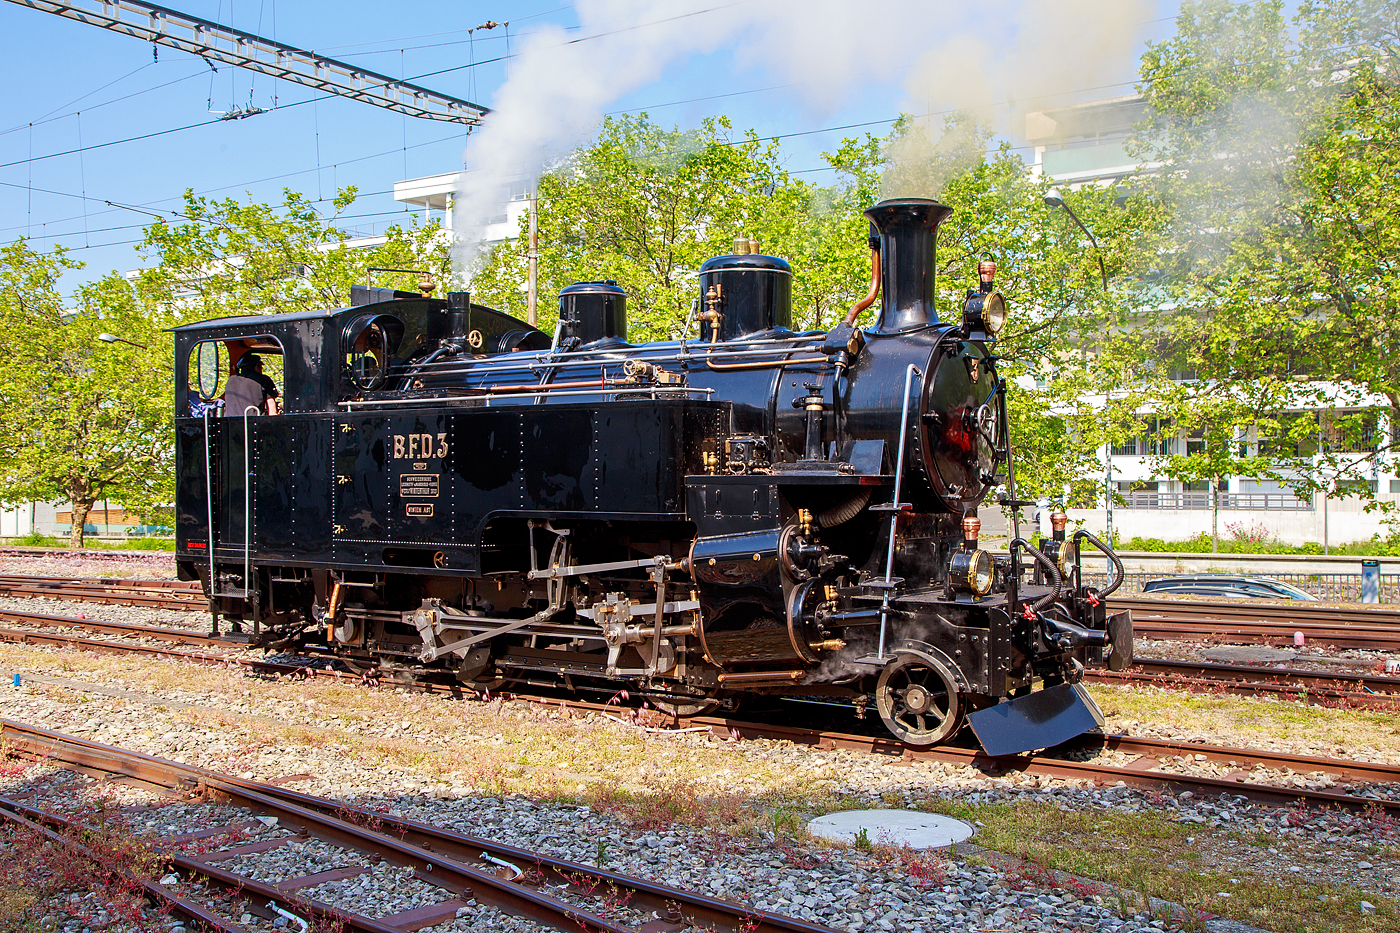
[1224,585]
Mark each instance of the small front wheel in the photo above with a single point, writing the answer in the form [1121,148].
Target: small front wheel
[918,698]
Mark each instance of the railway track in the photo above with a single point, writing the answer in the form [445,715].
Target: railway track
[1192,620]
[1195,620]
[1150,770]
[1146,771]
[156,594]
[128,629]
[553,892]
[1324,688]
[1311,686]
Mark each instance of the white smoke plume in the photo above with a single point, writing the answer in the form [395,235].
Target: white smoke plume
[560,84]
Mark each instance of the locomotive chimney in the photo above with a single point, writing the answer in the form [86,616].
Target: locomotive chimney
[908,228]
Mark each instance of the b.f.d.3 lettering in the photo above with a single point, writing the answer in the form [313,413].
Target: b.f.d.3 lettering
[420,446]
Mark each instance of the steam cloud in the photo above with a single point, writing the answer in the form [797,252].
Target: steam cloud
[560,84]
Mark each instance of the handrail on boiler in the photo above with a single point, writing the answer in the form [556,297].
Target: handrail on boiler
[896,507]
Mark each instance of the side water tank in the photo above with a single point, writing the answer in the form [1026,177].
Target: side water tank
[593,311]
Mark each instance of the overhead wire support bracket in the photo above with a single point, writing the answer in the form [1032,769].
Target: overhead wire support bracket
[173,29]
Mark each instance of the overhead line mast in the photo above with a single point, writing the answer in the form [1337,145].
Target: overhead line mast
[214,42]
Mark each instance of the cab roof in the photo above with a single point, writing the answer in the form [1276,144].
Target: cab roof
[292,317]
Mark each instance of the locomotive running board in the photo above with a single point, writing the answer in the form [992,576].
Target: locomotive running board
[1041,719]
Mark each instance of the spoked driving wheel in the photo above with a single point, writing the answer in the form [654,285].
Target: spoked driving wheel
[918,698]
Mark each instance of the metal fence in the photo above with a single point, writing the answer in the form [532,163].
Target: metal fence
[1341,587]
[1242,501]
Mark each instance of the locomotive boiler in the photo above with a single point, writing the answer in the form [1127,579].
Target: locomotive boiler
[450,492]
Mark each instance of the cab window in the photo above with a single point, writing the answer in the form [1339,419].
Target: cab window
[213,362]
[368,358]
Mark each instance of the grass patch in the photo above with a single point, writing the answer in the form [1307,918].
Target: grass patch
[1240,720]
[1245,543]
[1153,855]
[141,543]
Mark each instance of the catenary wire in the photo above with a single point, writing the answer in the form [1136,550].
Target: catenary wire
[776,137]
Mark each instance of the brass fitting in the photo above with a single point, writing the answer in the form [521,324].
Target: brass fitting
[972,528]
[712,315]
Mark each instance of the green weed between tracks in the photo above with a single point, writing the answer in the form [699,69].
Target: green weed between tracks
[1149,854]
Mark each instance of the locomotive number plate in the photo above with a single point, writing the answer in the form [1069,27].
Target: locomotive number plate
[419,510]
[419,485]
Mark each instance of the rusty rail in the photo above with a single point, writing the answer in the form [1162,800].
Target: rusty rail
[440,857]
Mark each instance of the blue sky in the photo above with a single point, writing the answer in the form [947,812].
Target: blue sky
[71,86]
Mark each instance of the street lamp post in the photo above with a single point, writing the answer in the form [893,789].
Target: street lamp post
[113,338]
[1053,201]
[1108,491]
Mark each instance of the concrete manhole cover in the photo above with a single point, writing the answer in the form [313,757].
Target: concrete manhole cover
[891,827]
[1247,654]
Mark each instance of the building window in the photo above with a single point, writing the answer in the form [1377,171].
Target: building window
[1395,486]
[1157,439]
[1351,431]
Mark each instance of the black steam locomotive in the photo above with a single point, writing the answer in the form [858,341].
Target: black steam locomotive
[447,489]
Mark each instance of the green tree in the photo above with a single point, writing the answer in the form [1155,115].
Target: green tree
[233,257]
[1278,144]
[82,420]
[646,206]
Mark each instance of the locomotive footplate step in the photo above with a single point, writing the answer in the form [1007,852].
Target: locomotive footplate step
[1040,719]
[874,660]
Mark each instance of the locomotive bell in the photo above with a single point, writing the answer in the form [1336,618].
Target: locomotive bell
[751,294]
[593,311]
[908,231]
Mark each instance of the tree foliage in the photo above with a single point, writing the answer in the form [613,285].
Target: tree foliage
[1278,144]
[645,206]
[82,420]
[234,257]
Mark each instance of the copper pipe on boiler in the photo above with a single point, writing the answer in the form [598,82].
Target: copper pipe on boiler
[870,296]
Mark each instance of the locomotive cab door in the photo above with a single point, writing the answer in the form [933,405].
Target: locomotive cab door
[222,461]
[198,451]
